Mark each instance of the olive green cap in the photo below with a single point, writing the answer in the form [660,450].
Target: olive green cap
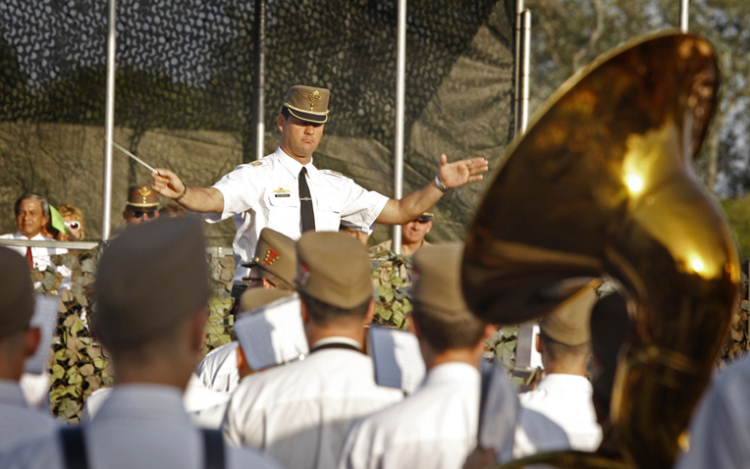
[308,103]
[569,322]
[255,298]
[142,197]
[333,268]
[16,293]
[150,279]
[276,254]
[436,278]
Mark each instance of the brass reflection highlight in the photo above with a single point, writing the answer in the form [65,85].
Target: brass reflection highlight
[601,185]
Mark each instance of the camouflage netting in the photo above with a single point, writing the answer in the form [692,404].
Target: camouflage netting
[184,92]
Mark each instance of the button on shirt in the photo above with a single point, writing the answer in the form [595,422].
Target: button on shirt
[265,193]
[566,400]
[18,422]
[299,414]
[143,426]
[435,427]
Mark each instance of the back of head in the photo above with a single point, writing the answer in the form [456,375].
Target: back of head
[151,278]
[333,276]
[565,331]
[16,293]
[443,318]
[276,257]
[610,328]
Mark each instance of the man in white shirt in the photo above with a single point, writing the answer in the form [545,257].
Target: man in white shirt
[270,192]
[436,426]
[18,422]
[564,395]
[151,294]
[32,213]
[299,413]
[275,266]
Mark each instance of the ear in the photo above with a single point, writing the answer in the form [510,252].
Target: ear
[280,121]
[156,214]
[267,284]
[429,227]
[125,215]
[370,313]
[306,319]
[243,367]
[538,344]
[489,331]
[31,341]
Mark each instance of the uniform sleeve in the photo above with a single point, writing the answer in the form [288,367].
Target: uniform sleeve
[241,189]
[242,425]
[361,207]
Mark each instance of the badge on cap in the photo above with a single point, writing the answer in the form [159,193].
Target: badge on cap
[271,257]
[303,273]
[314,96]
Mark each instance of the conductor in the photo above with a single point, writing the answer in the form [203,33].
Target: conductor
[285,192]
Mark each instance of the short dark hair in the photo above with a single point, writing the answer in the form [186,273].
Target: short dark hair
[557,351]
[323,313]
[285,112]
[446,331]
[33,196]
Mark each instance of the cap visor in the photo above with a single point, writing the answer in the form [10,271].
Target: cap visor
[303,116]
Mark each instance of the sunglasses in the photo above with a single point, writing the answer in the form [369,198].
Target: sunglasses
[73,225]
[423,219]
[139,213]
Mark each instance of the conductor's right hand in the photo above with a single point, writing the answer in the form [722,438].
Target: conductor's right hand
[168,183]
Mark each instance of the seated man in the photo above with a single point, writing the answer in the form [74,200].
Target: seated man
[564,395]
[436,427]
[151,294]
[32,214]
[412,236]
[18,422]
[275,262]
[299,413]
[142,206]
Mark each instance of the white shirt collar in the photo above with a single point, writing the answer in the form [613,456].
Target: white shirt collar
[557,381]
[144,401]
[38,237]
[292,165]
[336,340]
[452,372]
[11,394]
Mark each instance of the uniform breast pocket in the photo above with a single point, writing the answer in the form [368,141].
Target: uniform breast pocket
[283,214]
[327,213]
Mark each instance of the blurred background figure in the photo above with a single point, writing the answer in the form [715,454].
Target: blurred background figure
[412,236]
[74,221]
[360,235]
[32,214]
[172,210]
[142,205]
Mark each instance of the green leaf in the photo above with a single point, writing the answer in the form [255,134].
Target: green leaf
[383,313]
[386,293]
[77,326]
[397,281]
[100,363]
[56,372]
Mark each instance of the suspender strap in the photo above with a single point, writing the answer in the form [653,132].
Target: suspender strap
[74,449]
[213,449]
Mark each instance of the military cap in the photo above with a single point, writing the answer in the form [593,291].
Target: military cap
[142,197]
[308,103]
[436,278]
[151,278]
[333,268]
[569,322]
[255,298]
[275,253]
[425,217]
[16,293]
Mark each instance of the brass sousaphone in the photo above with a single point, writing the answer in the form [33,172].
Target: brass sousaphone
[601,185]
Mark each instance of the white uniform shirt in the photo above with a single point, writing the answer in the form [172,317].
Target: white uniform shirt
[206,408]
[566,400]
[435,427]
[720,429]
[18,422]
[41,256]
[265,193]
[143,426]
[299,414]
[218,370]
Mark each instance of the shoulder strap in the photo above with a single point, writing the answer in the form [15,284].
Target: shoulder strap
[213,449]
[74,448]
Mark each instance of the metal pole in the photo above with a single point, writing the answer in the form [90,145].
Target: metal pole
[517,69]
[684,15]
[525,71]
[398,153]
[109,120]
[259,94]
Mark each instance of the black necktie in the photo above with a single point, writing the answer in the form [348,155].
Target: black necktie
[306,208]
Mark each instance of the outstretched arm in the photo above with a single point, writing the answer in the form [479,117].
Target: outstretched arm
[456,174]
[198,199]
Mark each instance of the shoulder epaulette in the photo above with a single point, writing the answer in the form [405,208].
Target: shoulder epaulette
[257,163]
[332,173]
